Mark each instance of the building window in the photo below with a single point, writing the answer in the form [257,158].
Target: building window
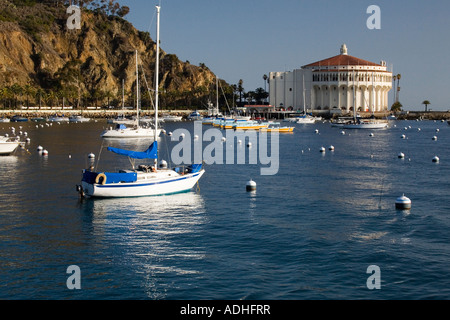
[290,89]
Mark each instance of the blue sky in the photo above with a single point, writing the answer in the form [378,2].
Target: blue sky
[245,39]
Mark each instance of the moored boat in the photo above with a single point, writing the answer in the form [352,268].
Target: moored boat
[18,118]
[78,118]
[145,180]
[250,125]
[276,127]
[8,145]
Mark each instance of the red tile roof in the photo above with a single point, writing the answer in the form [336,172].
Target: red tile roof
[342,60]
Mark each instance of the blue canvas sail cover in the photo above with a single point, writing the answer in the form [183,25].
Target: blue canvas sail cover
[150,153]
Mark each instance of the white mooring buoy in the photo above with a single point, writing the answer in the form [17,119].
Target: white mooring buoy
[403,203]
[91,155]
[44,152]
[434,138]
[322,149]
[39,148]
[401,155]
[331,148]
[435,159]
[251,185]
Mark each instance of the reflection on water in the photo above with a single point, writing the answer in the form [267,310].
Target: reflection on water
[152,235]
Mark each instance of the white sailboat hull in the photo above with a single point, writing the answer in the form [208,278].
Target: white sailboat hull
[374,125]
[306,120]
[131,133]
[148,184]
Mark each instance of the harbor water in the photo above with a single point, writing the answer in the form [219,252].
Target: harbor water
[311,231]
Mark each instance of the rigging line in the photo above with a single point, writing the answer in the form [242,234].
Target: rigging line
[148,88]
[151,21]
[99,154]
[226,102]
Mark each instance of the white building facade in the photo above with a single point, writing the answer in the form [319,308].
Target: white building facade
[335,84]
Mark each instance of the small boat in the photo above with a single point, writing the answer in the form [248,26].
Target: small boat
[276,127]
[145,180]
[8,145]
[366,124]
[250,125]
[78,118]
[135,131]
[57,118]
[38,119]
[18,118]
[305,119]
[122,131]
[4,120]
[172,118]
[195,116]
[360,123]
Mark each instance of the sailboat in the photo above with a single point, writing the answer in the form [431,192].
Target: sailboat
[305,118]
[136,131]
[360,123]
[145,180]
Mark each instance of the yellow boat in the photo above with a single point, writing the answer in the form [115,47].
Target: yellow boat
[250,125]
[277,128]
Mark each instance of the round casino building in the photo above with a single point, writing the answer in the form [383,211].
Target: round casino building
[333,85]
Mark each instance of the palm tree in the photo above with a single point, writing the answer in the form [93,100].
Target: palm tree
[399,76]
[240,88]
[426,103]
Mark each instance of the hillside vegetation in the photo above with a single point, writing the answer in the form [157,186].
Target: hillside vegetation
[42,61]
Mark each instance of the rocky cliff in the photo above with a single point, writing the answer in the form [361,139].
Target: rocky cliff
[88,65]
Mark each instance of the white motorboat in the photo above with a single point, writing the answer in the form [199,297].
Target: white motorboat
[57,118]
[172,118]
[4,120]
[8,145]
[145,180]
[78,118]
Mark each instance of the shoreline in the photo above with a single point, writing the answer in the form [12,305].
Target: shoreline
[106,114]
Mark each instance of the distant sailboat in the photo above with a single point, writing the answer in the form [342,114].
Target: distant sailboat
[145,180]
[136,131]
[359,123]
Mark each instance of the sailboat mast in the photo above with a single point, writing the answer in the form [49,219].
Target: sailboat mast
[157,72]
[217,96]
[137,89]
[304,99]
[354,98]
[123,94]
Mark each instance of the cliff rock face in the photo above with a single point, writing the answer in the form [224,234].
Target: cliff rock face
[37,49]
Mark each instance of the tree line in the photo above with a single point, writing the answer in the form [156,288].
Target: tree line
[71,94]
